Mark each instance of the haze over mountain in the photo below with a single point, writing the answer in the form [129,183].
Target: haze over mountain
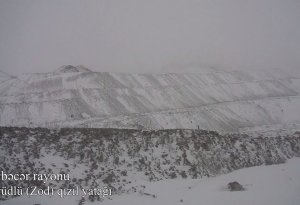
[149,36]
[75,96]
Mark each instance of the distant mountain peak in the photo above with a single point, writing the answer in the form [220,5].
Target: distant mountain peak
[71,68]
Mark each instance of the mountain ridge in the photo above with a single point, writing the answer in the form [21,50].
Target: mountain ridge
[226,101]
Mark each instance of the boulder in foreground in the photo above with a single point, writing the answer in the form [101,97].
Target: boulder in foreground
[235,186]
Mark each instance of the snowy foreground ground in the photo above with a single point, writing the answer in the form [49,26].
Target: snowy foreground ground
[274,184]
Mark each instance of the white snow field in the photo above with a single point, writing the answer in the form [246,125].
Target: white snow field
[225,101]
[265,185]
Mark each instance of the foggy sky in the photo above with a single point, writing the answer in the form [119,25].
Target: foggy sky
[149,35]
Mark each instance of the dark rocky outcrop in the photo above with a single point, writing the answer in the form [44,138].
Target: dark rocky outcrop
[235,186]
[118,157]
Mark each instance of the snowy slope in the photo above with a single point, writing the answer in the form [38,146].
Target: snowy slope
[265,185]
[215,100]
[4,77]
[121,159]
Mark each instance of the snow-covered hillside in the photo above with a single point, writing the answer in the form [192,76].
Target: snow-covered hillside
[119,157]
[213,100]
[127,160]
[265,185]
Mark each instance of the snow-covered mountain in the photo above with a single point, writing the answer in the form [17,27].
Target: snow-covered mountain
[225,101]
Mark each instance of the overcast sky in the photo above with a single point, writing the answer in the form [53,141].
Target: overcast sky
[149,35]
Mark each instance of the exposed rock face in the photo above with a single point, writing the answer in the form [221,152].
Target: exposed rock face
[116,157]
